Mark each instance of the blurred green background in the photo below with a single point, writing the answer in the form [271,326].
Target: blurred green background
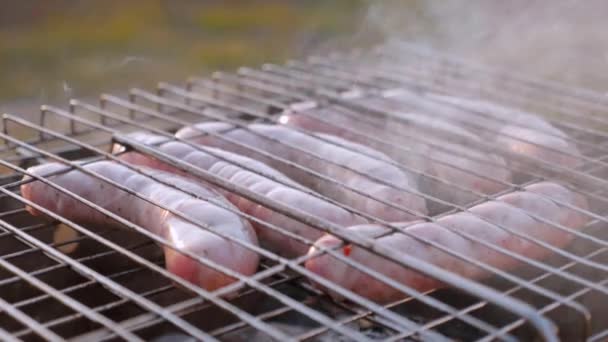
[52,50]
[56,49]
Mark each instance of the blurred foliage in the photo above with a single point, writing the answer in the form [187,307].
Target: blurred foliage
[51,50]
[56,49]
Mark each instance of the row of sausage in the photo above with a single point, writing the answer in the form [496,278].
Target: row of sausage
[324,165]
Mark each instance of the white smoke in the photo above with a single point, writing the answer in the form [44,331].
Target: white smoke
[560,39]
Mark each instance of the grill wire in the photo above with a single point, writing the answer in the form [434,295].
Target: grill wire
[62,280]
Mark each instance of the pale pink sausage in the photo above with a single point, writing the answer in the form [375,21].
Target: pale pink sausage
[185,235]
[524,133]
[376,167]
[428,159]
[532,144]
[232,169]
[496,212]
[511,130]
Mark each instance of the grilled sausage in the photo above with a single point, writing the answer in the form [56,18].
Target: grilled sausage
[501,212]
[183,234]
[231,168]
[428,159]
[376,166]
[524,134]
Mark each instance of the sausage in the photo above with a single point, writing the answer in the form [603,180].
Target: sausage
[231,168]
[531,142]
[511,130]
[502,211]
[524,134]
[376,166]
[428,159]
[183,234]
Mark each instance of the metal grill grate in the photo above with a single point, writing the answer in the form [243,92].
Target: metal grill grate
[63,280]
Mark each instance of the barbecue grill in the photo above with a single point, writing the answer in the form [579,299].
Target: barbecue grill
[60,280]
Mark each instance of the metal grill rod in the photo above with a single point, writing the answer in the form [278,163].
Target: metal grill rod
[6,336]
[599,337]
[359,314]
[65,319]
[45,132]
[189,306]
[32,250]
[46,270]
[298,100]
[184,308]
[547,308]
[66,300]
[316,81]
[300,86]
[16,254]
[218,88]
[331,71]
[25,320]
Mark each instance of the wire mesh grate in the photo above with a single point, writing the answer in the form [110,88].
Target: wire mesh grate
[69,280]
